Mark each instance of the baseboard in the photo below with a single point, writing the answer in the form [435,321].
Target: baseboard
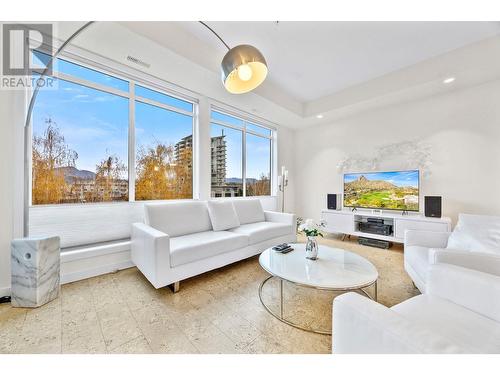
[84,274]
[94,261]
[92,272]
[4,291]
[90,262]
[85,252]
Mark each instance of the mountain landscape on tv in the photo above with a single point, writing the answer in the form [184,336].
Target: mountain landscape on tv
[366,191]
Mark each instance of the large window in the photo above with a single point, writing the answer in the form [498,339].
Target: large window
[81,145]
[258,171]
[241,157]
[164,153]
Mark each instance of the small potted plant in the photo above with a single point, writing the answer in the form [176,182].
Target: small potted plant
[312,230]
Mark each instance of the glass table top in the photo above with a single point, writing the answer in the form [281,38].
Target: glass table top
[334,268]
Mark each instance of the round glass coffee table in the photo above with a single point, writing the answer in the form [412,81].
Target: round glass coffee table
[335,270]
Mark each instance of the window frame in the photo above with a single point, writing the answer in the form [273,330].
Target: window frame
[248,119]
[132,79]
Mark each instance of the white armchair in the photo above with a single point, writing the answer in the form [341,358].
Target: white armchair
[488,263]
[460,313]
[417,245]
[474,236]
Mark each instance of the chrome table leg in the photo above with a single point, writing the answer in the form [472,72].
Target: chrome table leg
[281,298]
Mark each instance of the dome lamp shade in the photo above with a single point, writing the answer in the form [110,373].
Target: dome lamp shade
[243,69]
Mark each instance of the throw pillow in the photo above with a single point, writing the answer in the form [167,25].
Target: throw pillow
[249,211]
[477,233]
[223,215]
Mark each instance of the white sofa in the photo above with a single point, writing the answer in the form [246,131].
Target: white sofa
[459,313]
[473,236]
[178,240]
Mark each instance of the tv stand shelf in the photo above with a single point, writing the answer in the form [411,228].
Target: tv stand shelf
[346,222]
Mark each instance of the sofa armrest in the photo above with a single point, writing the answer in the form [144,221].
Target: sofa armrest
[474,290]
[483,262]
[150,252]
[281,217]
[363,326]
[426,238]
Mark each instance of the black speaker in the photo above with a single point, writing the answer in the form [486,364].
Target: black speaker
[432,206]
[331,201]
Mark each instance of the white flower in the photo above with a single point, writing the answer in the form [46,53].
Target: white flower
[309,225]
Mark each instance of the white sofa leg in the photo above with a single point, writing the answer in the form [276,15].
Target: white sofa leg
[175,286]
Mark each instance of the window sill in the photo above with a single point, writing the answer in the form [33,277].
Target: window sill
[247,197]
[82,252]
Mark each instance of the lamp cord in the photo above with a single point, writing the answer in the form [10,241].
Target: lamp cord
[217,35]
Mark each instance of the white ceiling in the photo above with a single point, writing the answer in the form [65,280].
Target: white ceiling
[310,60]
[313,62]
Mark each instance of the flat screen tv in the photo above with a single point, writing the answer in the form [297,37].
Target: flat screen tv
[382,190]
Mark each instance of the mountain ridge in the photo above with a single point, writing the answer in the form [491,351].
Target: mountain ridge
[72,173]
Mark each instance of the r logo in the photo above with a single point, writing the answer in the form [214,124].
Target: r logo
[18,40]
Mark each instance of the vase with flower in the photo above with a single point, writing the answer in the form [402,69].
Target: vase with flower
[312,230]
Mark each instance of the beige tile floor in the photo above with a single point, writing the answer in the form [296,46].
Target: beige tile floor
[217,312]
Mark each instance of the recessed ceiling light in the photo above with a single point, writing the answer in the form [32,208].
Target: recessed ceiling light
[449,80]
[319,116]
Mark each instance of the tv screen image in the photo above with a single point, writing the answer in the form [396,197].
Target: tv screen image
[382,190]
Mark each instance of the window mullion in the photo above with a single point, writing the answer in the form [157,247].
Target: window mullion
[244,160]
[227,125]
[259,135]
[131,142]
[164,106]
[89,84]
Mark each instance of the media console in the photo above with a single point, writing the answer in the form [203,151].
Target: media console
[380,226]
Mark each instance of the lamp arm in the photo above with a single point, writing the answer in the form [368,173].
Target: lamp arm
[27,124]
[217,35]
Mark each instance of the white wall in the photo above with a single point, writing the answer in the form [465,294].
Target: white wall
[461,127]
[6,187]
[11,123]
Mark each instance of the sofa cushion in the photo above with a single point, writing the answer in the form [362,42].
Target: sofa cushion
[223,215]
[478,233]
[263,231]
[178,218]
[458,324]
[249,210]
[196,246]
[418,258]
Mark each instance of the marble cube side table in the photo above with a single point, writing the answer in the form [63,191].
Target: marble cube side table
[35,270]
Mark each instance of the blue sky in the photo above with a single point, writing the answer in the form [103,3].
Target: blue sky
[258,152]
[155,125]
[405,178]
[234,149]
[258,148]
[95,123]
[258,156]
